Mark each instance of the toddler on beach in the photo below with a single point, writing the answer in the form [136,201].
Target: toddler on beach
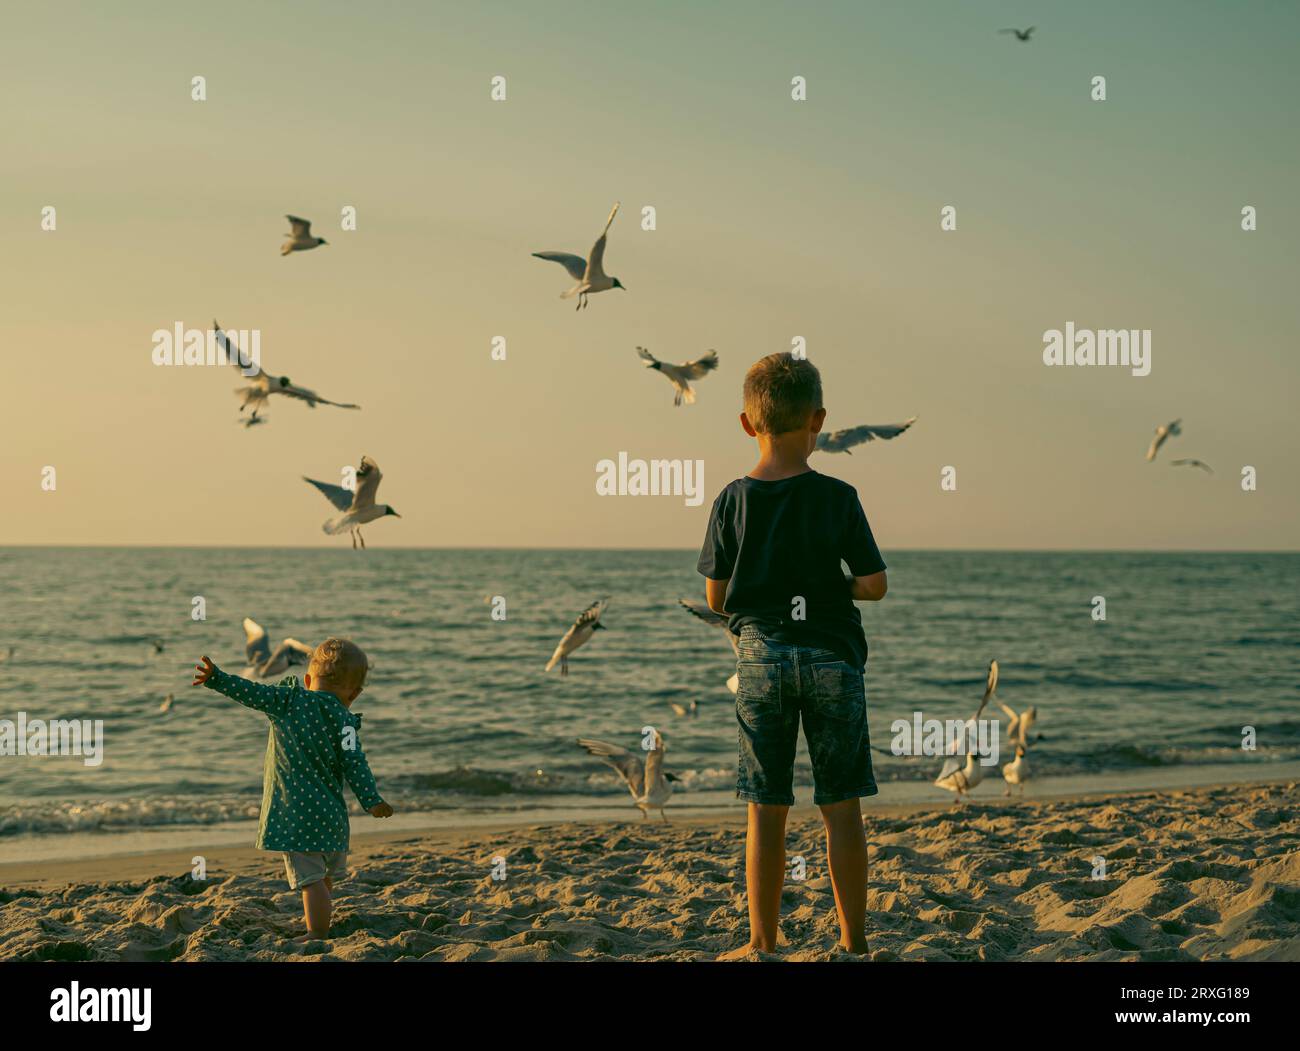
[771,562]
[314,745]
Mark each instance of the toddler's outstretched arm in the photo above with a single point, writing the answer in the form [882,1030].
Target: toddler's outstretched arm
[269,699]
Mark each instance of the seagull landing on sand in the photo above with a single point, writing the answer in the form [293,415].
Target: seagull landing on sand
[1192,463]
[300,238]
[589,273]
[357,508]
[1022,35]
[1163,432]
[678,375]
[262,662]
[951,775]
[262,384]
[843,441]
[587,624]
[649,785]
[716,620]
[1016,772]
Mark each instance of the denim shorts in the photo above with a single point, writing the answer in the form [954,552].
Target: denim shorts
[303,868]
[781,683]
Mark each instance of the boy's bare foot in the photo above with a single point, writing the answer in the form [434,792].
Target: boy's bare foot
[857,948]
[742,953]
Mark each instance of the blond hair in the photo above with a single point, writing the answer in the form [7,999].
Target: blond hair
[339,663]
[781,393]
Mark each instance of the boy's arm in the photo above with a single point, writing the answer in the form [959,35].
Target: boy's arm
[867,581]
[716,593]
[357,771]
[717,555]
[272,700]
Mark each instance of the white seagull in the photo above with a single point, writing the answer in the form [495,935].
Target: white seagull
[962,780]
[952,765]
[1192,463]
[843,441]
[261,385]
[716,620]
[649,785]
[262,662]
[692,709]
[1163,432]
[587,624]
[1016,772]
[357,508]
[589,273]
[300,238]
[679,375]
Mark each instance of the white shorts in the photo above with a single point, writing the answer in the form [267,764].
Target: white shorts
[303,868]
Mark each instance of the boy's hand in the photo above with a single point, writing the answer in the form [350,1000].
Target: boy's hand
[381,810]
[203,672]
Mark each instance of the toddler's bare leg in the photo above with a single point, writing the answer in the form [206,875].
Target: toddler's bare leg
[316,908]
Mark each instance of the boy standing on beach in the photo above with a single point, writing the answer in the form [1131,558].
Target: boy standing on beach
[314,745]
[771,562]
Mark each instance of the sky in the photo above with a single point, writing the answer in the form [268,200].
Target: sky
[775,219]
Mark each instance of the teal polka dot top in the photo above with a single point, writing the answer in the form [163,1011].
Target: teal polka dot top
[313,747]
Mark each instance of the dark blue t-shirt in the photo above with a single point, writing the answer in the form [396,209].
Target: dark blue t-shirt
[777,542]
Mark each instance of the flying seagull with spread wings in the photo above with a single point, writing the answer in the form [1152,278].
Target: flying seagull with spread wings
[716,620]
[1163,433]
[649,785]
[356,508]
[1021,34]
[300,238]
[1192,463]
[587,624]
[589,273]
[262,661]
[843,441]
[681,375]
[261,385]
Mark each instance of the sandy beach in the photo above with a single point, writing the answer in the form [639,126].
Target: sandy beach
[1198,874]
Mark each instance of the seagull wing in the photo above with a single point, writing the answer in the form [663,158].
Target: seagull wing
[368,479]
[309,396]
[694,370]
[596,261]
[990,685]
[257,648]
[292,652]
[868,432]
[300,228]
[592,613]
[574,264]
[628,766]
[233,354]
[335,494]
[646,356]
[699,609]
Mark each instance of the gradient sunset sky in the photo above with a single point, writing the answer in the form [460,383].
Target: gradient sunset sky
[775,219]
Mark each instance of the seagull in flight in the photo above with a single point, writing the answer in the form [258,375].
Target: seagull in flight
[1019,722]
[261,385]
[167,703]
[649,785]
[679,375]
[300,238]
[952,765]
[587,624]
[356,508]
[589,273]
[262,662]
[1192,463]
[843,441]
[715,620]
[1021,34]
[1163,433]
